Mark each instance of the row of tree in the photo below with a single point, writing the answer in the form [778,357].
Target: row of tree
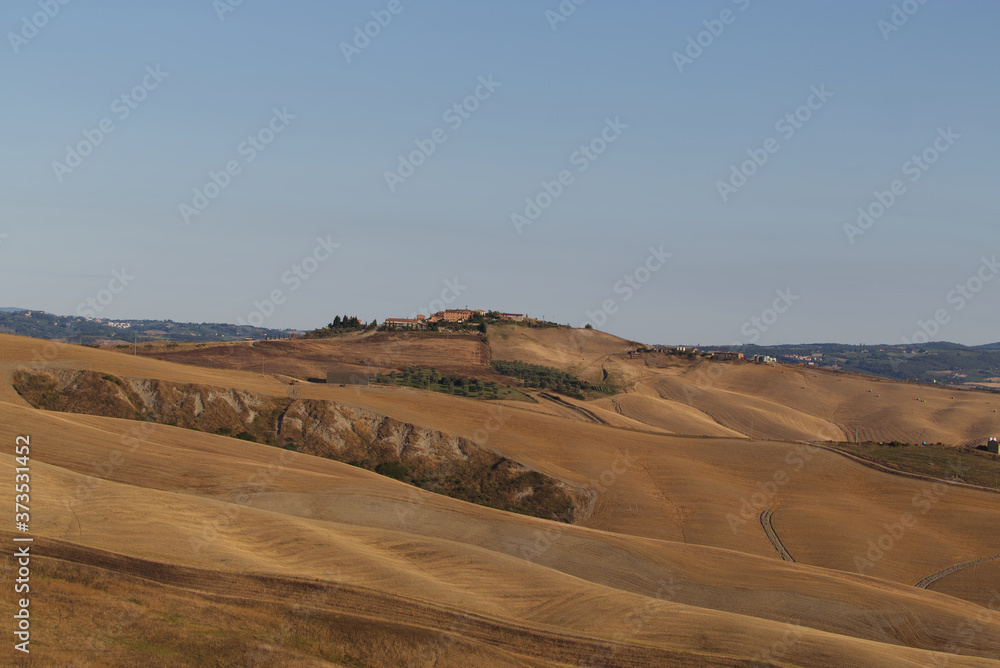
[544,377]
[341,325]
[349,323]
[436,381]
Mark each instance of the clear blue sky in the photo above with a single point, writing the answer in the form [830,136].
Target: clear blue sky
[656,185]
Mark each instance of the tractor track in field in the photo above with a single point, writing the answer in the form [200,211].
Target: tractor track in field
[765,521]
[559,401]
[934,577]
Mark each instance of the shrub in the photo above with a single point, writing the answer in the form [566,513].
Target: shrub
[395,470]
[544,377]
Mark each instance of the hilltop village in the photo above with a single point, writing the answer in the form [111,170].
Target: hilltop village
[453,315]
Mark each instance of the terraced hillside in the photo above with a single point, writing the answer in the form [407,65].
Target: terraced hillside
[370,352]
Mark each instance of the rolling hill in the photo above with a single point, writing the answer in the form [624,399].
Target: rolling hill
[935,362]
[695,545]
[94,330]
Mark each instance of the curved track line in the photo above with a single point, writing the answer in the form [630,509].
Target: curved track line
[765,521]
[885,469]
[931,579]
[559,401]
[666,499]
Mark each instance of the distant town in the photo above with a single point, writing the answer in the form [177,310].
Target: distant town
[88,330]
[453,315]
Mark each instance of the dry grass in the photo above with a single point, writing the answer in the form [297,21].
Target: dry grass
[87,614]
[376,352]
[657,561]
[376,443]
[580,352]
[962,464]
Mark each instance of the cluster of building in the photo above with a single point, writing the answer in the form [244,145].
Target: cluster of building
[102,321]
[725,355]
[446,316]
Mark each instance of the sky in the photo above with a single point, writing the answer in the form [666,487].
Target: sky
[675,173]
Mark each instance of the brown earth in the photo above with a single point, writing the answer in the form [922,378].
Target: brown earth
[210,541]
[374,352]
[439,462]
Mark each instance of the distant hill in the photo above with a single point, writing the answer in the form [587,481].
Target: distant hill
[935,362]
[11,309]
[75,329]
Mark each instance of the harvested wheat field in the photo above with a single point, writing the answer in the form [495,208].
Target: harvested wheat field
[163,539]
[372,352]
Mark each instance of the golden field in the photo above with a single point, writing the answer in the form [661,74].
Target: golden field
[156,545]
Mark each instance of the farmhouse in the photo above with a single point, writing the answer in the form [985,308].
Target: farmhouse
[993,446]
[406,323]
[451,315]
